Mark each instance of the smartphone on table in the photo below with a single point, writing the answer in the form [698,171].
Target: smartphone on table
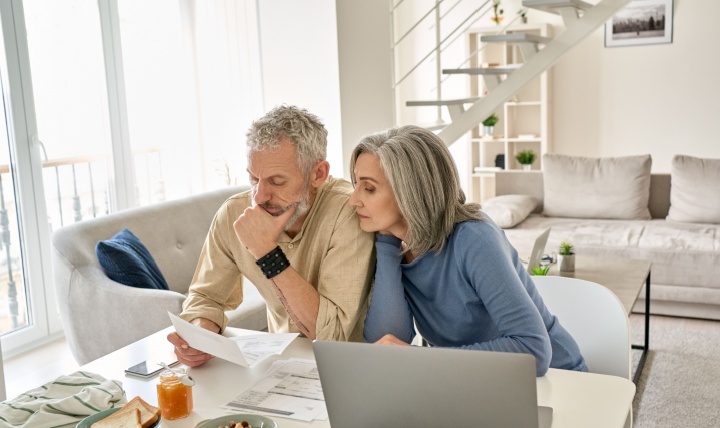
[151,367]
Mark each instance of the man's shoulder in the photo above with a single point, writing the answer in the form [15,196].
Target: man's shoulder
[335,193]
[338,186]
[333,202]
[236,204]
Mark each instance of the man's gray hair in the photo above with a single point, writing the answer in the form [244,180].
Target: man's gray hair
[304,129]
[425,181]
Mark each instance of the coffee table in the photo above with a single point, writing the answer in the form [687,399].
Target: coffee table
[625,278]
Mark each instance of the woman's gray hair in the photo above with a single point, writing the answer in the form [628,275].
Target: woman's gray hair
[304,129]
[425,181]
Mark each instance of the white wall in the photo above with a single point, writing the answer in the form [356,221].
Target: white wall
[331,57]
[298,40]
[657,99]
[364,66]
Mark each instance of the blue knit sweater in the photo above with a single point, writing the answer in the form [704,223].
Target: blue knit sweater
[474,294]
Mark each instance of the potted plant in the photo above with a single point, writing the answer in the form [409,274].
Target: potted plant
[497,12]
[523,14]
[540,270]
[526,159]
[566,257]
[489,125]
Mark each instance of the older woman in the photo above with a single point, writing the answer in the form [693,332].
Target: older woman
[441,264]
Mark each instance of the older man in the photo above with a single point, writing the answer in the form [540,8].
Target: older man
[294,235]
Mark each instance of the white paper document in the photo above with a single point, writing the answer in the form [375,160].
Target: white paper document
[291,389]
[241,350]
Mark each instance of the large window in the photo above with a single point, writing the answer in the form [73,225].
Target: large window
[146,99]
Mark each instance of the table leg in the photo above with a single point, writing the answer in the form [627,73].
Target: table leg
[646,346]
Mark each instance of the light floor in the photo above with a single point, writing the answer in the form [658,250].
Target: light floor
[49,361]
[38,366]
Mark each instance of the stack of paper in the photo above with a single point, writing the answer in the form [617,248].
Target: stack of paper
[291,389]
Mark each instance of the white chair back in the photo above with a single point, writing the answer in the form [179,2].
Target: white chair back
[594,317]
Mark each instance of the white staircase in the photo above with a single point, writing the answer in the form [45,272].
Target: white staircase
[540,53]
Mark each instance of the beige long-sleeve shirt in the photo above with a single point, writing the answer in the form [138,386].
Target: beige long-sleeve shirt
[331,252]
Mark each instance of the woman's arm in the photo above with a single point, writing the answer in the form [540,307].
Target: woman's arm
[488,261]
[389,312]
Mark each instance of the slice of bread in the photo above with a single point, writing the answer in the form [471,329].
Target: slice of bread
[148,414]
[121,419]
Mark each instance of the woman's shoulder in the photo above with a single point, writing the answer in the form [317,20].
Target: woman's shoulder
[474,226]
[476,232]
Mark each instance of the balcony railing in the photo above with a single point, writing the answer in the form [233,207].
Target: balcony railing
[76,190]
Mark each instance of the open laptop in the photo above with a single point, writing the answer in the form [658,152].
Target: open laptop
[367,385]
[537,251]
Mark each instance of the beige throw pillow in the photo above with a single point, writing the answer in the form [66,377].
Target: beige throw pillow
[609,188]
[694,190]
[509,210]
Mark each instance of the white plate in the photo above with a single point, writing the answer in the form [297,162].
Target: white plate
[87,422]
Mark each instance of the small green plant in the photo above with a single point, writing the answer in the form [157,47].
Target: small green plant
[525,157]
[566,249]
[540,270]
[490,120]
[497,12]
[523,12]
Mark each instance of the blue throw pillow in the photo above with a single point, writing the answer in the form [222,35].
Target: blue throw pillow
[126,260]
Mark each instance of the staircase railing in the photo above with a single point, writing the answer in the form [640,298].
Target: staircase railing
[576,29]
[79,193]
[441,43]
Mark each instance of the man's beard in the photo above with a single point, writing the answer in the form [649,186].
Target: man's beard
[301,207]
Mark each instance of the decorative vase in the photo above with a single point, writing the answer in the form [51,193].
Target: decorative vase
[566,262]
[527,167]
[488,131]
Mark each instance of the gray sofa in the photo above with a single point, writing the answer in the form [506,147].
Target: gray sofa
[685,255]
[100,315]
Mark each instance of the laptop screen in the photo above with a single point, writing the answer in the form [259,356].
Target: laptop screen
[368,385]
[537,251]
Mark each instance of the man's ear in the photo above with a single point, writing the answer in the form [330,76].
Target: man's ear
[319,173]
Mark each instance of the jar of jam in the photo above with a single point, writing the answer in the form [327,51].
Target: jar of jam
[175,398]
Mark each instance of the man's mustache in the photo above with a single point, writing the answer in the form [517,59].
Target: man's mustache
[282,210]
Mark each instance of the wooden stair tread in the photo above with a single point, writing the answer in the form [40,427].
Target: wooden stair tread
[553,6]
[442,102]
[516,38]
[481,70]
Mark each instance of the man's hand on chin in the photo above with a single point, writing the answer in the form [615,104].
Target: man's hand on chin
[258,230]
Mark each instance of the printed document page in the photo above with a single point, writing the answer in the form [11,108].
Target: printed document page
[291,389]
[241,350]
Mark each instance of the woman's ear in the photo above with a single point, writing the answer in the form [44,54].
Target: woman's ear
[320,173]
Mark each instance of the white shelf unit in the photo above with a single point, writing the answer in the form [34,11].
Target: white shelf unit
[524,121]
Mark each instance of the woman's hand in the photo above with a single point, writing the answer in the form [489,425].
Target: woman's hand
[389,339]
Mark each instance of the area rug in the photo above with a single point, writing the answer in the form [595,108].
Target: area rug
[680,384]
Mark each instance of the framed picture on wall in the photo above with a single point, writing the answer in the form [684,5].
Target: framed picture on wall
[641,22]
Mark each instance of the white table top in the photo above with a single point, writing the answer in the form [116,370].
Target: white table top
[578,399]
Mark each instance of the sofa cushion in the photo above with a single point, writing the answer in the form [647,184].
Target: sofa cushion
[601,188]
[676,250]
[126,260]
[695,186]
[509,210]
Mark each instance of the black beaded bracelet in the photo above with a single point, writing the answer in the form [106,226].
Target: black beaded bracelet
[273,262]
